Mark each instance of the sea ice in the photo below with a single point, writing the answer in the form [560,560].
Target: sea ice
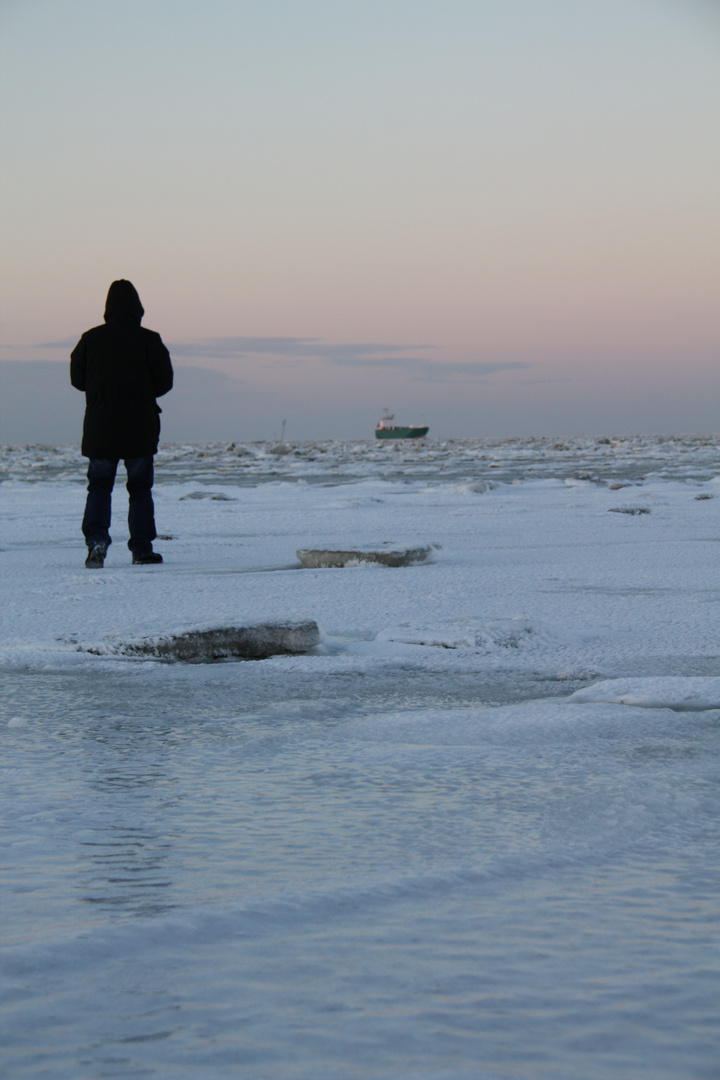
[384,555]
[681,694]
[259,641]
[426,848]
[467,633]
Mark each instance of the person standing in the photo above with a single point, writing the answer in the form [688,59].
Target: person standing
[122,368]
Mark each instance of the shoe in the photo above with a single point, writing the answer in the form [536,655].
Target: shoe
[147,559]
[96,556]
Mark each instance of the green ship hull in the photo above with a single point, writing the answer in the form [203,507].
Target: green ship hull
[401,432]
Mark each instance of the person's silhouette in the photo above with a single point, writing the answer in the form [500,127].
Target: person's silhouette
[122,368]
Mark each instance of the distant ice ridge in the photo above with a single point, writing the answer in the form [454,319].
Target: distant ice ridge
[481,463]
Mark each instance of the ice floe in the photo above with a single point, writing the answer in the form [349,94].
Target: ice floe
[384,555]
[255,642]
[691,694]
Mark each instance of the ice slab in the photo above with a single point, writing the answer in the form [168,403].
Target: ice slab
[692,694]
[385,555]
[255,642]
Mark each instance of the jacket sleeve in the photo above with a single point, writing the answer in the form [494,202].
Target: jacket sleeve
[160,367]
[78,364]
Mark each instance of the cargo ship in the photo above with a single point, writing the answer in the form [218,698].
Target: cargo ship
[386,428]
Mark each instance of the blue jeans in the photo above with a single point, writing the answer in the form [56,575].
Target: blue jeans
[141,514]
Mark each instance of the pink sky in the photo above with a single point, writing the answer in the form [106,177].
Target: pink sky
[527,189]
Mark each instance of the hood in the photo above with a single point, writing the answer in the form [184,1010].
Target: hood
[123,302]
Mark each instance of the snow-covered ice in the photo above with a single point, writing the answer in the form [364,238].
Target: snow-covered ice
[669,692]
[472,833]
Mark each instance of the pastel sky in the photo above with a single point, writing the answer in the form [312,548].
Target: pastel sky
[501,214]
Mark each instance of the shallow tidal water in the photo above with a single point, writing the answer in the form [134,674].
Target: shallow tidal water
[231,870]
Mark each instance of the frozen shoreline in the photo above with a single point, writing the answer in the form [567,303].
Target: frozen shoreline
[575,573]
[470,833]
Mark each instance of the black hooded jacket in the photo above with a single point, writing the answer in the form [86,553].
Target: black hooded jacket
[122,368]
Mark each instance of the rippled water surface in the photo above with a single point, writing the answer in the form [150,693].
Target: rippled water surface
[222,872]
